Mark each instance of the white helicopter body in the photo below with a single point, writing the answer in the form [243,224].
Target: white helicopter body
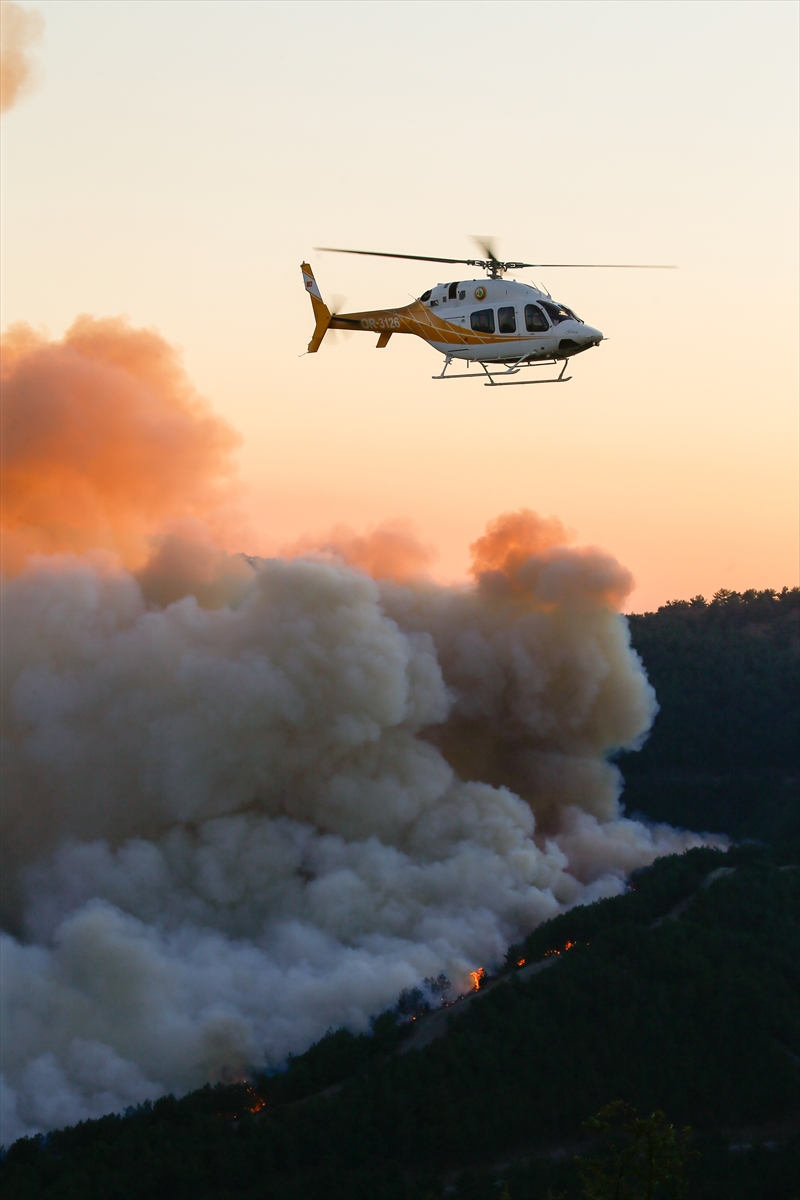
[521,320]
[490,322]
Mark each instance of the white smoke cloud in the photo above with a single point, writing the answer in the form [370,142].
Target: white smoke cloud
[228,828]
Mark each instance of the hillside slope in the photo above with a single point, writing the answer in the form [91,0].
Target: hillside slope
[675,995]
[724,753]
[696,1015]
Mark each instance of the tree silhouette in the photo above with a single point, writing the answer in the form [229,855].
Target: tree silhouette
[644,1156]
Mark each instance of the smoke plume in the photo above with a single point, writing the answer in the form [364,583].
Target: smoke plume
[390,551]
[20,28]
[104,440]
[246,800]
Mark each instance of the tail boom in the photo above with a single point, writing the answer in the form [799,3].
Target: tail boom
[415,318]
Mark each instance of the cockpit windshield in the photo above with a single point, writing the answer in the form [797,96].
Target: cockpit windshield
[558,312]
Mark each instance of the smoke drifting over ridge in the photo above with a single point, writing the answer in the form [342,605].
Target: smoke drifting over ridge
[246,800]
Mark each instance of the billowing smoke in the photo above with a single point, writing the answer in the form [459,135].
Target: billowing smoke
[20,29]
[390,551]
[104,439]
[246,800]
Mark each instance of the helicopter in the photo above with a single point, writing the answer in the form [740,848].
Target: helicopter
[492,322]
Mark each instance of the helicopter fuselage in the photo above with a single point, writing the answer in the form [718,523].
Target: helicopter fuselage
[502,320]
[480,320]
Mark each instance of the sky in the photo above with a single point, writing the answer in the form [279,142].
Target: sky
[177,161]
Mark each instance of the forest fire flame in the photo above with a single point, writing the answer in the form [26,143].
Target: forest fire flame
[563,949]
[478,978]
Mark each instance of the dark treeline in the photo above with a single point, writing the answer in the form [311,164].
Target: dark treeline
[696,1015]
[724,753]
[726,677]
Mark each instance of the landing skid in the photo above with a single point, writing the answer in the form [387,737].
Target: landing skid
[498,378]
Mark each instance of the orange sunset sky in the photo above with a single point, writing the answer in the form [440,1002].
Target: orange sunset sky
[174,161]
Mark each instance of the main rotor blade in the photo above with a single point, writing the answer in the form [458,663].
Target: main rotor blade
[604,266]
[487,246]
[514,266]
[467,262]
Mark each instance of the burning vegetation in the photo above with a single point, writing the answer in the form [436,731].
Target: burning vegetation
[563,950]
[731,963]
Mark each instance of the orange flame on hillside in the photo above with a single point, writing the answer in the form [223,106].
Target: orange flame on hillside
[563,949]
[258,1101]
[478,978]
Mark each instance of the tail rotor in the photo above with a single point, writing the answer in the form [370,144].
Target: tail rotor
[338,304]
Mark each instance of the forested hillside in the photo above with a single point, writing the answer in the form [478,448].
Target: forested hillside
[682,994]
[726,677]
[693,1011]
[724,754]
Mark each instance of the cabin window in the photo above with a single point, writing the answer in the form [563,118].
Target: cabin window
[451,295]
[482,321]
[507,319]
[558,313]
[462,295]
[426,295]
[535,320]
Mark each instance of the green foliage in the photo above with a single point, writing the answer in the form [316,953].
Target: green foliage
[757,1172]
[746,805]
[337,1056]
[652,893]
[725,674]
[643,1159]
[724,753]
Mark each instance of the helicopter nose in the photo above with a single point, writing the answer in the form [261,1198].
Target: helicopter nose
[593,336]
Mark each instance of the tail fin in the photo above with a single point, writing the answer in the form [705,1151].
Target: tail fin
[322,313]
